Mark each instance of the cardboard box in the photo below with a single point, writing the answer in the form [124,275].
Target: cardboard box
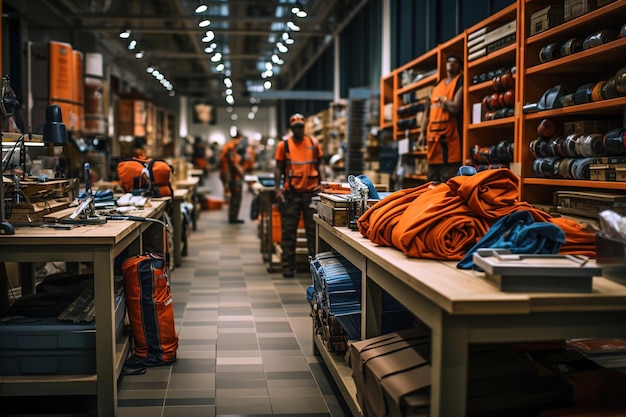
[546,18]
[361,352]
[335,216]
[574,8]
[601,172]
[588,204]
[610,250]
[589,126]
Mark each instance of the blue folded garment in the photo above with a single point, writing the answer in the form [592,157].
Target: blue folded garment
[519,233]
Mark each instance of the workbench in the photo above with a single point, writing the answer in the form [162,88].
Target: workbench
[191,184]
[97,244]
[461,308]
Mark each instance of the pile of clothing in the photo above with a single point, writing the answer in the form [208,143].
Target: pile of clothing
[444,221]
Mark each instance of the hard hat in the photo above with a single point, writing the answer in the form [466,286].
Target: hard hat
[296,120]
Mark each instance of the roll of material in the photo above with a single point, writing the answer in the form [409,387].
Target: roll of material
[590,145]
[533,148]
[596,91]
[546,128]
[583,94]
[556,146]
[550,52]
[537,167]
[580,143]
[609,90]
[546,167]
[620,82]
[569,145]
[507,80]
[598,38]
[571,46]
[615,142]
[580,168]
[564,167]
[542,148]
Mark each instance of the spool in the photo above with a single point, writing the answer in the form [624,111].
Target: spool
[549,53]
[546,128]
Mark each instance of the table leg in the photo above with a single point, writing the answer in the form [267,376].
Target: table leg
[177,221]
[105,332]
[449,367]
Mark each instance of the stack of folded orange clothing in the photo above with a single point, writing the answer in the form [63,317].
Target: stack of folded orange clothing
[443,221]
[378,222]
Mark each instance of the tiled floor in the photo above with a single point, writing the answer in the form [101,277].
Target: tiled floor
[245,345]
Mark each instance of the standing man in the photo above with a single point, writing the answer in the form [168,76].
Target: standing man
[298,176]
[232,175]
[441,128]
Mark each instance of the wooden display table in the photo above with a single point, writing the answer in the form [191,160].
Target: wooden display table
[461,308]
[191,184]
[98,244]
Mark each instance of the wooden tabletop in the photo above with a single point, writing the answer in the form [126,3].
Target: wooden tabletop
[110,232]
[468,292]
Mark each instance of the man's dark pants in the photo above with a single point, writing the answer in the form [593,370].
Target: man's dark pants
[295,204]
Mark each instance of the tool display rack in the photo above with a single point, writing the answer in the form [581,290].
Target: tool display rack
[532,79]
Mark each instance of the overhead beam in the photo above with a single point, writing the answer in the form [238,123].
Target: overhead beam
[166,31]
[294,95]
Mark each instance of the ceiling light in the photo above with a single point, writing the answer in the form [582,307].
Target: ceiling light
[228,82]
[132,44]
[230,100]
[210,35]
[202,8]
[140,54]
[204,23]
[298,11]
[217,57]
[208,50]
[267,85]
[149,69]
[268,65]
[292,26]
[251,115]
[125,34]
[220,67]
[229,92]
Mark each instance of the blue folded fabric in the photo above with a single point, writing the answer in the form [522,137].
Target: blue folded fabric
[519,233]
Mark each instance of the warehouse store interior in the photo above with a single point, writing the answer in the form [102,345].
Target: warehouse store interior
[469,231]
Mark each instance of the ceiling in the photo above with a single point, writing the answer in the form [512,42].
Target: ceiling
[167,31]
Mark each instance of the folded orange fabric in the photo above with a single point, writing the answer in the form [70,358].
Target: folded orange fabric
[443,221]
[438,225]
[578,240]
[378,222]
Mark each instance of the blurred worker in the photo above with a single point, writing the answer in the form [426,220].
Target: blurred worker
[441,127]
[298,176]
[232,174]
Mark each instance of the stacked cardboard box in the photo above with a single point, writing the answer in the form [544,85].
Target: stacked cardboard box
[392,375]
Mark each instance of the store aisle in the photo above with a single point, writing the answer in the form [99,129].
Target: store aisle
[245,336]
